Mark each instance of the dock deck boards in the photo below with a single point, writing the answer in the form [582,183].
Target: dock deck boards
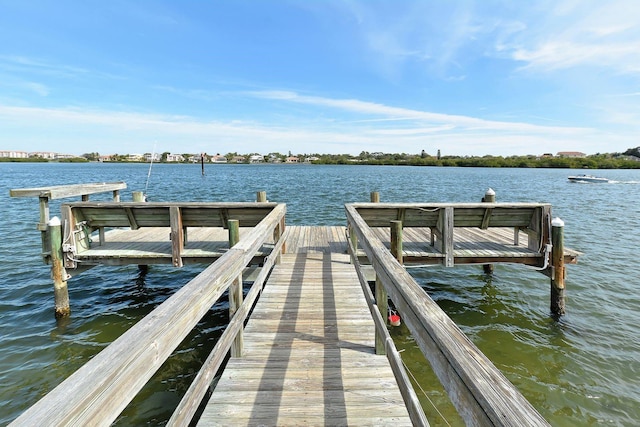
[309,349]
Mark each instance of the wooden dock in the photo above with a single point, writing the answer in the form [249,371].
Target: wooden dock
[315,349]
[309,355]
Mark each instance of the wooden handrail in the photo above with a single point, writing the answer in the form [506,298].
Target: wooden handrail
[191,400]
[100,390]
[418,418]
[480,392]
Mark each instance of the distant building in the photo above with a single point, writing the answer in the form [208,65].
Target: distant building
[311,159]
[292,159]
[218,159]
[238,159]
[44,154]
[576,154]
[14,154]
[256,158]
[155,157]
[135,157]
[175,158]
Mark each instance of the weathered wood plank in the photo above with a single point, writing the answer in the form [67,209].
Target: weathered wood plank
[309,356]
[62,191]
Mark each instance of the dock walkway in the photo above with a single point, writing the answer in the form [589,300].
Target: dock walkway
[311,350]
[309,347]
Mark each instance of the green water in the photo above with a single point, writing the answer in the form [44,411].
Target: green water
[582,370]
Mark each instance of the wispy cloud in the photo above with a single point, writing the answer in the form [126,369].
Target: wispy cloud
[38,66]
[38,88]
[398,113]
[603,35]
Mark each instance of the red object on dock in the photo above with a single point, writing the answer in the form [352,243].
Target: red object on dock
[394,319]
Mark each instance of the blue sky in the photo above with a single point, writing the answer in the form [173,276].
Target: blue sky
[464,77]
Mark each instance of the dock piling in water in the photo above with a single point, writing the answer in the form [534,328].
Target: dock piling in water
[557,267]
[489,197]
[58,272]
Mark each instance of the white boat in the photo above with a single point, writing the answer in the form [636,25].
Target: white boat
[588,178]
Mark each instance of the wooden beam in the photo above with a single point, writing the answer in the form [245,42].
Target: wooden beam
[132,219]
[486,218]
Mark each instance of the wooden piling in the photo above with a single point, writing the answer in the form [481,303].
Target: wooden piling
[489,197]
[396,240]
[58,272]
[235,290]
[557,267]
[138,196]
[375,197]
[261,196]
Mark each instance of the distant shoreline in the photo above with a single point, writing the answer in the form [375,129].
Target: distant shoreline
[590,162]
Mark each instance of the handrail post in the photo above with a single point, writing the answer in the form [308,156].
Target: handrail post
[58,272]
[278,232]
[375,197]
[557,267]
[396,240]
[382,301]
[353,238]
[261,196]
[235,290]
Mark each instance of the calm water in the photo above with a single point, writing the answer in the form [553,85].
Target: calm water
[583,370]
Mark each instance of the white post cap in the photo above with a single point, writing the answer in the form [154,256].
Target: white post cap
[557,222]
[53,222]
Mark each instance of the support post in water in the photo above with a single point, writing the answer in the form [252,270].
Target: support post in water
[235,290]
[261,196]
[202,156]
[137,196]
[557,267]
[375,197]
[489,197]
[58,272]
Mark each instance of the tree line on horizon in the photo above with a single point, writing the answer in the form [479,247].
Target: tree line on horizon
[630,159]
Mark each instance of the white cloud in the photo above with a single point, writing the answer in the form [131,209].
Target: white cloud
[398,113]
[593,34]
